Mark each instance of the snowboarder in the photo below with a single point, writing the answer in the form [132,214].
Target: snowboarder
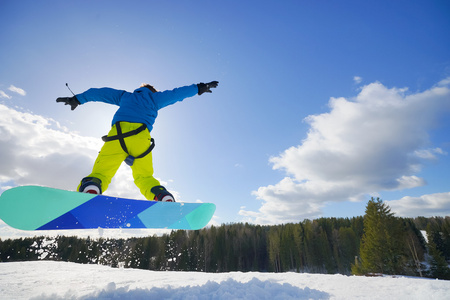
[129,139]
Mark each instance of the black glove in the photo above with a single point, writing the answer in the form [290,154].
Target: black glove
[72,101]
[206,87]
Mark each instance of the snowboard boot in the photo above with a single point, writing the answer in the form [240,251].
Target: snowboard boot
[161,194]
[91,185]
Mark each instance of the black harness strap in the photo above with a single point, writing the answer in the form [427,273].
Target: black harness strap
[106,138]
[121,137]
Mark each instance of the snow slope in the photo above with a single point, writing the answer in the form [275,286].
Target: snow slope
[62,280]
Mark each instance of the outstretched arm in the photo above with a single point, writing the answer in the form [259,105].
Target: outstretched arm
[106,95]
[166,98]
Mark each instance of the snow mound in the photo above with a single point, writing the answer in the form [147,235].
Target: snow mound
[229,289]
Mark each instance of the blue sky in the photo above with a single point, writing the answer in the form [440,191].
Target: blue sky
[320,106]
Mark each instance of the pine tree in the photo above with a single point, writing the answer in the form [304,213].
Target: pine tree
[445,231]
[438,265]
[346,248]
[380,249]
[274,248]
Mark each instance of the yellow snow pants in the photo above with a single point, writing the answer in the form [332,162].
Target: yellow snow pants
[112,155]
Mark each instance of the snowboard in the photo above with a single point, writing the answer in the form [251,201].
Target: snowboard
[44,208]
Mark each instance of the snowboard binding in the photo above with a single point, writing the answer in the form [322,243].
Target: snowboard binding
[91,185]
[161,194]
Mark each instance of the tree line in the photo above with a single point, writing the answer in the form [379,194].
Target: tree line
[376,243]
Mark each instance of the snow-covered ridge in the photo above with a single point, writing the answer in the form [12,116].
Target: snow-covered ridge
[62,280]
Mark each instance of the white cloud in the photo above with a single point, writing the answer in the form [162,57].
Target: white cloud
[37,150]
[444,82]
[364,145]
[4,95]
[357,79]
[427,205]
[429,153]
[17,90]
[409,182]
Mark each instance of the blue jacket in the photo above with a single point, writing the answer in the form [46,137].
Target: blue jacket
[141,106]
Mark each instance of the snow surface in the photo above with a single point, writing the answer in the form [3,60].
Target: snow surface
[63,280]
